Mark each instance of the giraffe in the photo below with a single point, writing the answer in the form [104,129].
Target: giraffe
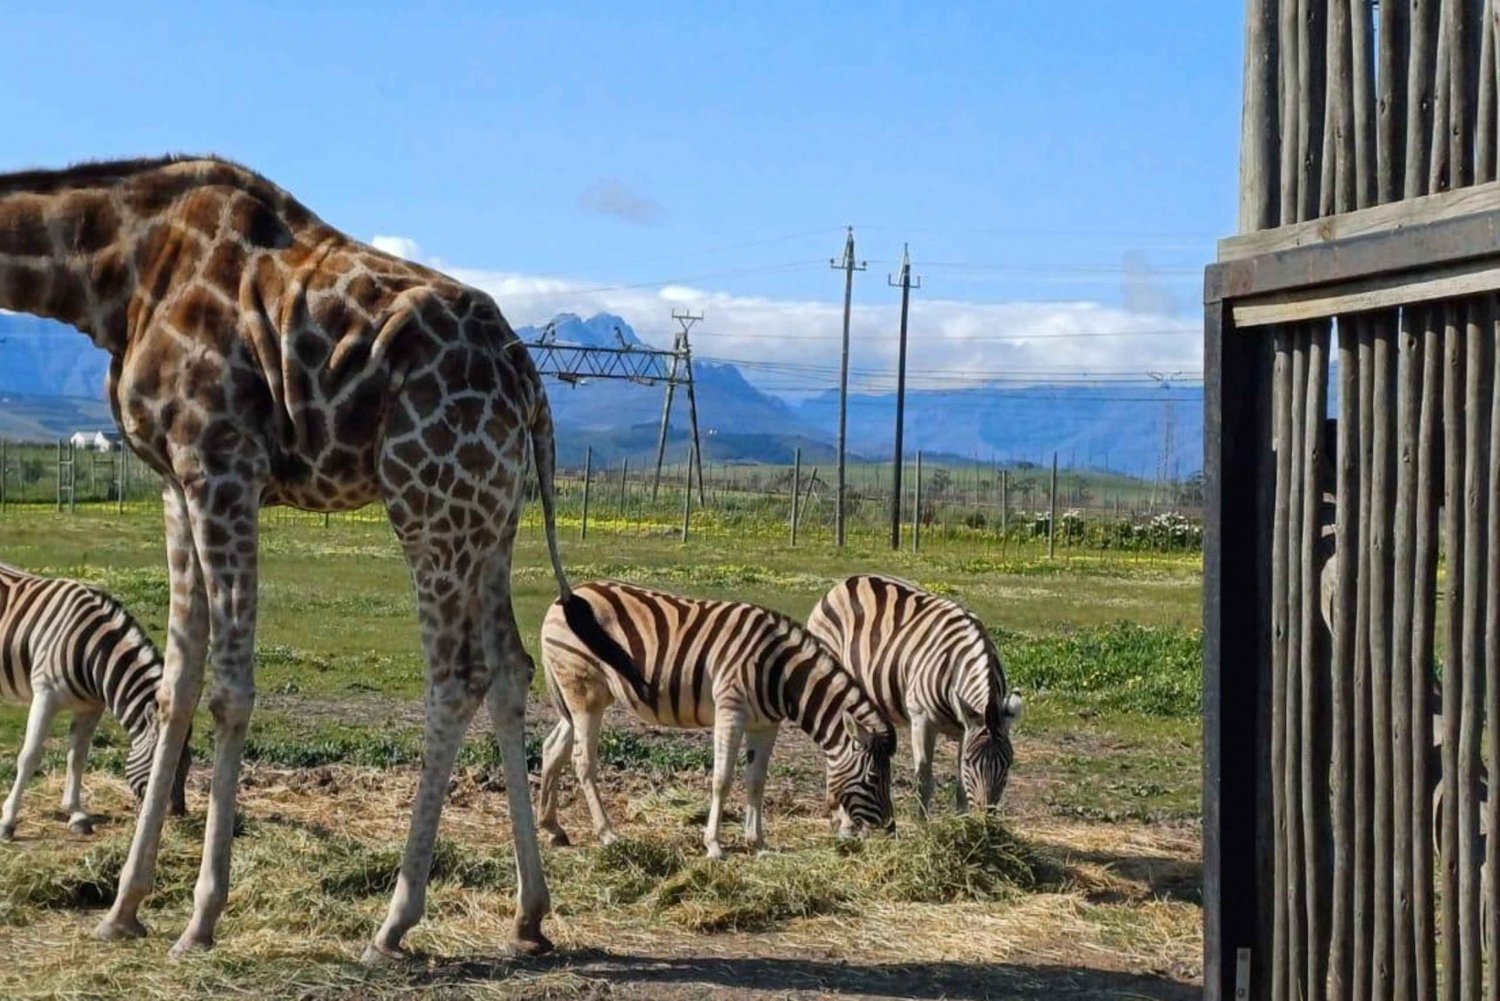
[259,356]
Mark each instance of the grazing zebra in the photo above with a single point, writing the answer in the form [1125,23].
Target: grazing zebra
[65,645]
[928,663]
[738,668]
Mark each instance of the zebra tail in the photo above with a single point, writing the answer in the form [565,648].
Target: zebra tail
[585,625]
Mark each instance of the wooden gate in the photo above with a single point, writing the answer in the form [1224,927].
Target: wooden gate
[1351,572]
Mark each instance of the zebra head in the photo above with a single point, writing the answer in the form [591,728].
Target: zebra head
[859,778]
[138,765]
[985,758]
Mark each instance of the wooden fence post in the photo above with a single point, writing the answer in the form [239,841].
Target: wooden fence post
[1052,512]
[916,507]
[796,490]
[624,470]
[588,475]
[687,494]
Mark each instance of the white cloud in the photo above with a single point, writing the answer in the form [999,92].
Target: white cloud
[613,197]
[400,246]
[791,346]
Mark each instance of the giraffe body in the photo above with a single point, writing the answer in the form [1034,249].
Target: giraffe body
[258,357]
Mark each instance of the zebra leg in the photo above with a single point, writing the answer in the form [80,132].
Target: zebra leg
[923,741]
[556,750]
[729,726]
[226,535]
[43,708]
[177,698]
[504,651]
[758,747]
[586,765]
[80,736]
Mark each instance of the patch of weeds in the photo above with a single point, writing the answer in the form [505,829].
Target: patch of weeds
[1157,670]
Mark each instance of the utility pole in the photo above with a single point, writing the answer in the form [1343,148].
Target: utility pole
[906,283]
[681,352]
[848,266]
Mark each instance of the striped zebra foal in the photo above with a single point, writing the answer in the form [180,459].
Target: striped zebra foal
[738,668]
[928,664]
[67,646]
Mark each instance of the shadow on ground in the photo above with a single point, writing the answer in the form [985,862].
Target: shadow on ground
[600,973]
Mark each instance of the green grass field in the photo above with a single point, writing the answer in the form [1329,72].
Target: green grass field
[1103,807]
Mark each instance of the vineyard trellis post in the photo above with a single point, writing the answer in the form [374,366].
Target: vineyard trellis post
[796,491]
[588,476]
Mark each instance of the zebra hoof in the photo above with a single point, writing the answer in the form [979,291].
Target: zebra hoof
[715,852]
[7,832]
[82,825]
[119,930]
[378,956]
[558,837]
[608,838]
[189,944]
[529,940]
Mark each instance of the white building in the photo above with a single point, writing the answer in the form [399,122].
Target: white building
[99,441]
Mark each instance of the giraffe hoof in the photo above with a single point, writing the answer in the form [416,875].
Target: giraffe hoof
[188,944]
[119,929]
[82,825]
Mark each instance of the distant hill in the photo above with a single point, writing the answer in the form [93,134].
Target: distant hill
[51,383]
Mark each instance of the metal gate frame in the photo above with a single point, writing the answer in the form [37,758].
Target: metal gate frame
[1432,248]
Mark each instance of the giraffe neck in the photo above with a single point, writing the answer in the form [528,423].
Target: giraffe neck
[68,255]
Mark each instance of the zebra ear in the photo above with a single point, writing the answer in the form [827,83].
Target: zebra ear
[857,731]
[1011,710]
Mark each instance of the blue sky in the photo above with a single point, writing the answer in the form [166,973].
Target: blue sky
[1056,168]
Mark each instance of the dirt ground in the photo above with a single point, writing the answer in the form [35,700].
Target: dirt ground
[1126,925]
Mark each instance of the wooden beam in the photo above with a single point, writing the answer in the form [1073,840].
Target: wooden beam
[1383,292]
[1418,248]
[1377,219]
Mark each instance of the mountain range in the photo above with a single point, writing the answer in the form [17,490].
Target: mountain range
[51,380]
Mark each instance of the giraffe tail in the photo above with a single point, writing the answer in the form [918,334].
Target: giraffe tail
[544,456]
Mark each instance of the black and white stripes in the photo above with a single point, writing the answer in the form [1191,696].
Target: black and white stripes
[686,662]
[928,663]
[67,646]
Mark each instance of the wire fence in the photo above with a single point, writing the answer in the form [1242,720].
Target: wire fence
[1009,509]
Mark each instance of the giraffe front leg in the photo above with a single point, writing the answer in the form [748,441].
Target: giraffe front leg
[43,708]
[226,536]
[758,747]
[80,737]
[177,698]
[729,725]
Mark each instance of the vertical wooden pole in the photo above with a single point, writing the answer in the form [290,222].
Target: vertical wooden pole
[1364,750]
[1314,767]
[1004,502]
[1491,889]
[1409,371]
[1453,674]
[1052,511]
[687,493]
[916,507]
[1382,503]
[624,470]
[1424,619]
[1476,520]
[588,479]
[796,491]
[1297,876]
[1346,544]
